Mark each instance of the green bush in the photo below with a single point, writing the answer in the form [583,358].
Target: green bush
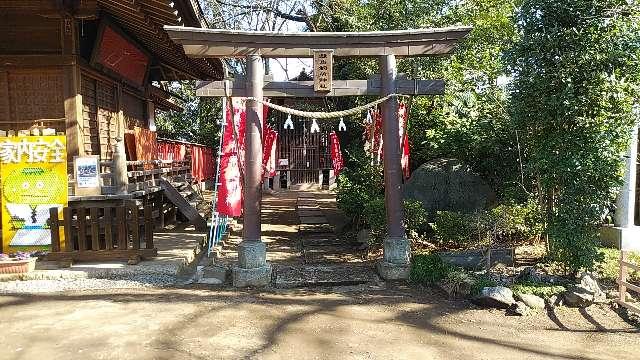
[428,269]
[416,218]
[515,223]
[608,269]
[375,218]
[480,282]
[457,230]
[542,290]
[506,224]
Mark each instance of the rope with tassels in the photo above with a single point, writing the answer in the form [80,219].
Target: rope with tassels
[326,115]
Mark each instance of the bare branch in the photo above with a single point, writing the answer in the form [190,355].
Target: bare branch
[300,16]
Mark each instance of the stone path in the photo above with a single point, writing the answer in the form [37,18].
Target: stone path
[327,260]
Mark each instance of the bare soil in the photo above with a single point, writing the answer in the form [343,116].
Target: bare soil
[337,323]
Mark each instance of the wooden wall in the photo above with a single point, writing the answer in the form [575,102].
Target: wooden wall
[29,34]
[32,97]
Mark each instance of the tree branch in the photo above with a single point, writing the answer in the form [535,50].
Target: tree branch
[300,16]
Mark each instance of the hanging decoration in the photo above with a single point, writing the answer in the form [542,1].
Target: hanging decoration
[342,126]
[314,127]
[288,125]
[229,201]
[336,154]
[374,141]
[403,117]
[269,152]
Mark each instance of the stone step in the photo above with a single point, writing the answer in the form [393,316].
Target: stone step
[313,213]
[313,220]
[333,257]
[324,241]
[305,229]
[323,275]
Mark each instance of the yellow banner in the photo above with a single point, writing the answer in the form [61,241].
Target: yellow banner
[33,178]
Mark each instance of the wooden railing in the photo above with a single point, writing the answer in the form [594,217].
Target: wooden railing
[142,176]
[624,285]
[103,232]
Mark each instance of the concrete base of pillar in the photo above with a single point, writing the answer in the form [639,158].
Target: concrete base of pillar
[397,259]
[627,239]
[390,271]
[258,277]
[252,268]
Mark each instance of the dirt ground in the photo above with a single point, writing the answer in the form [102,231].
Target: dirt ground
[338,323]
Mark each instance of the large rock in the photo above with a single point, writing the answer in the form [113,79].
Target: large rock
[585,293]
[448,185]
[532,301]
[495,297]
[518,308]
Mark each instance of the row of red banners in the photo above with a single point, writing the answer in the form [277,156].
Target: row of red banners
[229,201]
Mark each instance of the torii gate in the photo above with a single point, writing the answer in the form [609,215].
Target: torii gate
[252,268]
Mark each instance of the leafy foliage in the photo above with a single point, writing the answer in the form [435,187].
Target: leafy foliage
[506,224]
[608,268]
[428,269]
[199,121]
[575,79]
[543,290]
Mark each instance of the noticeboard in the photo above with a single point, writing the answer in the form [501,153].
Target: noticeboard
[86,170]
[33,170]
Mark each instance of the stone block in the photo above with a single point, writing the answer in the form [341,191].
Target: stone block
[390,271]
[252,254]
[627,239]
[258,277]
[397,250]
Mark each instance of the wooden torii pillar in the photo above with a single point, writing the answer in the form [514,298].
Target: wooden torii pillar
[252,268]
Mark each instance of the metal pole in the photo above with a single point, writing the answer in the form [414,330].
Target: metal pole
[397,250]
[213,232]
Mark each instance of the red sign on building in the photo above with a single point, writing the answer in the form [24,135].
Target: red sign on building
[121,56]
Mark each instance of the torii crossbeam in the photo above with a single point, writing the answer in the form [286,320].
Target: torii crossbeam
[253,269]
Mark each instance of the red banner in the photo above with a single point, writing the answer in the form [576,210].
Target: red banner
[336,154]
[403,116]
[373,138]
[229,200]
[269,152]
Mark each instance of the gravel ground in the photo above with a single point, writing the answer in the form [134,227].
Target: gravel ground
[60,285]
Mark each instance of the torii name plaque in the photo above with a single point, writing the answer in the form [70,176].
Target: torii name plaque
[322,70]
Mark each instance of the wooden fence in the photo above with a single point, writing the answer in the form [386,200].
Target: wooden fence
[624,285]
[103,232]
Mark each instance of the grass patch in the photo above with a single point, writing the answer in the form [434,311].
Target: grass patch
[609,268]
[542,290]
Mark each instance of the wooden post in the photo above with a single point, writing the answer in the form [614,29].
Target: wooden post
[135,226]
[95,228]
[54,225]
[391,148]
[119,167]
[622,289]
[108,228]
[397,249]
[253,151]
[68,239]
[148,227]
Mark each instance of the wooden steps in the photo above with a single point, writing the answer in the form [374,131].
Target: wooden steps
[185,206]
